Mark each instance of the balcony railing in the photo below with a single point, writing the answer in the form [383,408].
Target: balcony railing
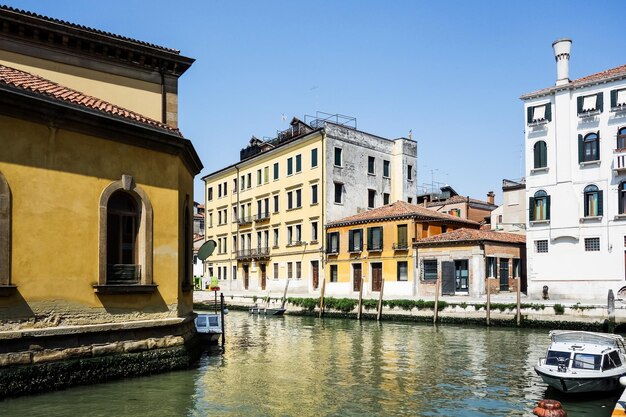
[123,274]
[253,253]
[401,246]
[263,216]
[619,160]
[245,219]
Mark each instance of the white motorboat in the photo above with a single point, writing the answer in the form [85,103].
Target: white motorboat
[578,361]
[209,327]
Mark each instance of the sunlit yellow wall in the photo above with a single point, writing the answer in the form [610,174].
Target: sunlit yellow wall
[140,96]
[56,179]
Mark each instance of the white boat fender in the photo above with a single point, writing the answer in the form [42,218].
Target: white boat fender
[225,311]
[622,381]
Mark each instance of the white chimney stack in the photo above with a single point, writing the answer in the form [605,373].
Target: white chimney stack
[562,48]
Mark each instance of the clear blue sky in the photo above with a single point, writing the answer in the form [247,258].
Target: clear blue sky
[450,71]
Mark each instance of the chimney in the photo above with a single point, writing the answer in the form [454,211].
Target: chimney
[562,48]
[491,197]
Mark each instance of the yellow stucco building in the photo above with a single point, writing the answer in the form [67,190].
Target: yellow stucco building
[96,185]
[376,245]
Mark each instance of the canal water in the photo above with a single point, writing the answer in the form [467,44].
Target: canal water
[303,366]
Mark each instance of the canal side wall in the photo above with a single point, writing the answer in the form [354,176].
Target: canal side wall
[40,360]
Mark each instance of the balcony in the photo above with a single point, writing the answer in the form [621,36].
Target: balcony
[254,253]
[400,246]
[123,274]
[243,220]
[262,216]
[619,161]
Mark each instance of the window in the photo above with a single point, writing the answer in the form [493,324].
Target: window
[234,243]
[219,190]
[385,198]
[539,114]
[402,237]
[289,235]
[455,212]
[403,271]
[540,152]
[276,171]
[386,169]
[541,246]
[289,200]
[374,238]
[611,361]
[491,267]
[219,217]
[410,200]
[276,237]
[210,219]
[259,209]
[298,198]
[314,158]
[333,273]
[618,99]
[289,166]
[314,194]
[622,197]
[234,213]
[338,158]
[289,270]
[249,180]
[586,361]
[409,172]
[313,231]
[275,270]
[276,203]
[234,272]
[371,161]
[355,240]
[333,242]
[621,138]
[429,270]
[591,104]
[298,163]
[210,193]
[298,233]
[592,244]
[539,206]
[593,201]
[338,192]
[258,177]
[298,270]
[266,175]
[225,186]
[589,147]
[371,197]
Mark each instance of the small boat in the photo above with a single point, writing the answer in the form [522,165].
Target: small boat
[579,361]
[268,311]
[209,327]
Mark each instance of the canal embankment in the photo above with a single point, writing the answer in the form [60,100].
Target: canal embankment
[503,311]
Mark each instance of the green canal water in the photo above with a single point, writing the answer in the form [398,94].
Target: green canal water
[302,366]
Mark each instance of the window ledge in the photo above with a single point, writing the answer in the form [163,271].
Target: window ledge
[538,122]
[313,242]
[620,217]
[338,166]
[7,290]
[589,163]
[371,174]
[386,178]
[294,208]
[275,247]
[355,251]
[315,204]
[125,289]
[588,219]
[540,222]
[588,113]
[618,108]
[539,170]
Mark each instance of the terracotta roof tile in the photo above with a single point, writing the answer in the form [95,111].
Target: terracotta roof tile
[606,75]
[458,199]
[472,235]
[400,209]
[35,84]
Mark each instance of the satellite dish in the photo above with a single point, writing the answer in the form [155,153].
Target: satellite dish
[206,249]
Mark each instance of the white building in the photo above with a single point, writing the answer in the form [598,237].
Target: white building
[576,183]
[511,215]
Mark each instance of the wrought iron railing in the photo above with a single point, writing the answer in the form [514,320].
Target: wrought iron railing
[263,216]
[401,246]
[259,252]
[375,247]
[123,274]
[245,219]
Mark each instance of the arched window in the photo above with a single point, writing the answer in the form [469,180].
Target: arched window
[5,238]
[621,138]
[539,206]
[592,201]
[622,197]
[125,237]
[588,147]
[541,154]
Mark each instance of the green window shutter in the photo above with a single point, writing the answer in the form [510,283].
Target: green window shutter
[369,238]
[529,114]
[531,209]
[549,112]
[598,142]
[600,202]
[537,154]
[580,148]
[298,163]
[600,102]
[548,208]
[620,199]
[350,240]
[543,154]
[579,103]
[613,98]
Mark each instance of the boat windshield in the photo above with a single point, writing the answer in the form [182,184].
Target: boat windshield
[201,321]
[214,321]
[587,361]
[555,357]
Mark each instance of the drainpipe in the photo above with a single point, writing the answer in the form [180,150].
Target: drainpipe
[163,96]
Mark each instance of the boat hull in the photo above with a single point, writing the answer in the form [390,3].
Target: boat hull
[570,384]
[268,311]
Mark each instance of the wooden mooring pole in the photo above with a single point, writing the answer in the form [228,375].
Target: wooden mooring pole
[360,310]
[519,302]
[322,298]
[611,311]
[488,307]
[437,291]
[380,301]
[222,318]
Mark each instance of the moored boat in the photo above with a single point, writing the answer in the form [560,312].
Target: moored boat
[209,327]
[279,311]
[578,361]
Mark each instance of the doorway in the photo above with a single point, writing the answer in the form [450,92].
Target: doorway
[246,277]
[504,274]
[357,276]
[377,276]
[315,272]
[461,275]
[263,276]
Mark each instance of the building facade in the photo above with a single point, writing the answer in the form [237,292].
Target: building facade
[448,201]
[267,211]
[576,182]
[511,215]
[375,246]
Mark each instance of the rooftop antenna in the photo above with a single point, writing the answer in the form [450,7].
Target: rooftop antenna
[411,134]
[283,117]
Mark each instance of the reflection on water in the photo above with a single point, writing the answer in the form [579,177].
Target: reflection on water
[302,366]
